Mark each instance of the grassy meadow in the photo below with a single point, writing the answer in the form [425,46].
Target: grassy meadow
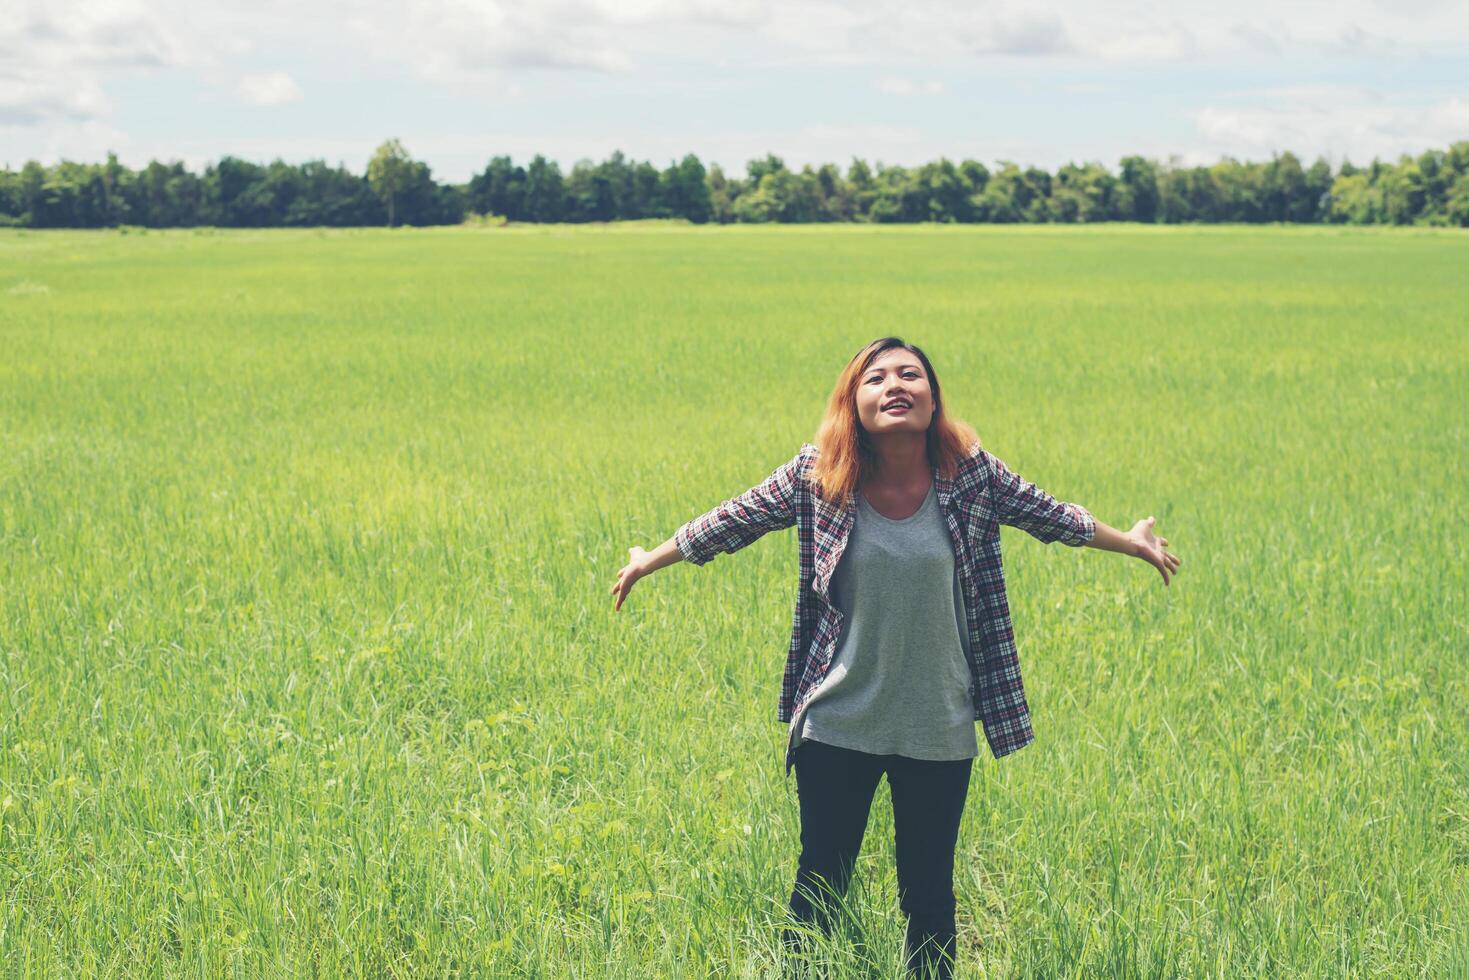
[308,664]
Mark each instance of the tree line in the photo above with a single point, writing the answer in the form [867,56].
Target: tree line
[1431,188]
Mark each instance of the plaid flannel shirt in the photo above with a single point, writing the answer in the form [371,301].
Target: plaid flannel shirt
[983,495]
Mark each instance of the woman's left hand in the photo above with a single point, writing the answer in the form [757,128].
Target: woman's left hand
[1153,549]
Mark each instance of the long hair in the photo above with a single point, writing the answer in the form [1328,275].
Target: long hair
[846,452]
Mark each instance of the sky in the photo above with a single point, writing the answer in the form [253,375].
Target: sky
[812,81]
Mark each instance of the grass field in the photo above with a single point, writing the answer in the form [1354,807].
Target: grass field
[308,662]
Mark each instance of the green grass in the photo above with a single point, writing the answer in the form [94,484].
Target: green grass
[308,663]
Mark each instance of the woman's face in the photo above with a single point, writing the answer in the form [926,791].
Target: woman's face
[894,376]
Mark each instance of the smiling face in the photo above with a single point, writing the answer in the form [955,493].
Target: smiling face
[893,377]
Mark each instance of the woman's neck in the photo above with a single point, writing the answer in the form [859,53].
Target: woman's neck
[900,460]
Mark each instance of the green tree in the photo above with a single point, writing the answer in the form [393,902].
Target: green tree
[618,172]
[1403,191]
[1353,200]
[229,198]
[1318,186]
[1457,206]
[941,192]
[589,194]
[30,192]
[684,190]
[837,203]
[862,187]
[977,174]
[10,209]
[1015,195]
[782,196]
[1084,192]
[723,192]
[388,173]
[500,189]
[544,190]
[1287,194]
[756,170]
[1138,195]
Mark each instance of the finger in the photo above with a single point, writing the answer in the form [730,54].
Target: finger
[1163,542]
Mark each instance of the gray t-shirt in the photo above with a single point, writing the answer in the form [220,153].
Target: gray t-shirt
[899,682]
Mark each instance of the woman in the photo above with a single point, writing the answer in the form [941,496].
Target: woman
[901,638]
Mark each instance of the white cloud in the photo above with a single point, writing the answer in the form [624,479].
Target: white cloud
[1025,34]
[646,12]
[950,31]
[457,39]
[53,57]
[271,88]
[87,140]
[1172,43]
[1335,122]
[1258,39]
[1353,41]
[908,87]
[25,102]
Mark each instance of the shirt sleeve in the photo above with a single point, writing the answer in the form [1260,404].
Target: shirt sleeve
[743,520]
[1022,504]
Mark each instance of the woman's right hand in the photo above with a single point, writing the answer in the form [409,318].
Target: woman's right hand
[636,568]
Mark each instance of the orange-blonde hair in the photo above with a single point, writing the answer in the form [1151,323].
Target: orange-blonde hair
[846,453]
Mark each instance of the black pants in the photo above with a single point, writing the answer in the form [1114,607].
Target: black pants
[835,787]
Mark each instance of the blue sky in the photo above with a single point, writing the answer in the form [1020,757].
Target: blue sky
[901,82]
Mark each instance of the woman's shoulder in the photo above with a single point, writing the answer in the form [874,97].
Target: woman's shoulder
[973,469]
[806,458]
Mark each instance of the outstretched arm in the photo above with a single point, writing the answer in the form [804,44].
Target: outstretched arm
[1140,542]
[1024,505]
[741,521]
[731,525]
